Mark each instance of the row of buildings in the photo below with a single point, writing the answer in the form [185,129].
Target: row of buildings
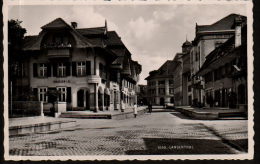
[90,67]
[210,71]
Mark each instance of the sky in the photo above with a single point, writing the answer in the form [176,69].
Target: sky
[152,33]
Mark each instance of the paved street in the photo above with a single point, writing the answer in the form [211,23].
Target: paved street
[156,133]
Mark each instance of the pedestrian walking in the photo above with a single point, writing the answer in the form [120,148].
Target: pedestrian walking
[135,110]
[150,108]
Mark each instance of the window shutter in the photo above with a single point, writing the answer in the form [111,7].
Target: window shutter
[35,70]
[88,68]
[54,69]
[69,94]
[67,68]
[49,70]
[35,93]
[74,69]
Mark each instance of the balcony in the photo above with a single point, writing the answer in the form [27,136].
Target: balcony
[59,53]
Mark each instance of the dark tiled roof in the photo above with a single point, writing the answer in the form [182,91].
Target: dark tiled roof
[92,31]
[57,23]
[113,39]
[225,23]
[28,40]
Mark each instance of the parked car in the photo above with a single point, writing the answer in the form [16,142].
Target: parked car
[169,105]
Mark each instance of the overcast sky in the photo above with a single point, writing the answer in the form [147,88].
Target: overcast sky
[152,33]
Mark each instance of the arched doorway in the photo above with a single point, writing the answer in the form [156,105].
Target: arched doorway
[241,94]
[161,101]
[83,99]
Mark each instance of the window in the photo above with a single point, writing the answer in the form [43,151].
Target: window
[42,94]
[102,71]
[61,70]
[170,82]
[171,90]
[161,90]
[43,70]
[63,94]
[21,71]
[81,68]
[162,82]
[189,88]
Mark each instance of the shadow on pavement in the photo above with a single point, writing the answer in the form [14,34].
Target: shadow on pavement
[179,115]
[160,146]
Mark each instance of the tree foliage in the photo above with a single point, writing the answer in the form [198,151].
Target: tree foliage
[15,41]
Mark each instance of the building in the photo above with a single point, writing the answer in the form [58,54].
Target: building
[225,70]
[207,38]
[142,95]
[160,84]
[90,67]
[186,74]
[181,73]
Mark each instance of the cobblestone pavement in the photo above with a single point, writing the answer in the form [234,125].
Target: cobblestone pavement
[156,133]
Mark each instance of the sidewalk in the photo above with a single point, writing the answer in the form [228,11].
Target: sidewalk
[24,125]
[114,114]
[210,113]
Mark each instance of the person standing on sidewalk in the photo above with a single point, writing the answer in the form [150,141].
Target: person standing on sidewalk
[122,106]
[135,110]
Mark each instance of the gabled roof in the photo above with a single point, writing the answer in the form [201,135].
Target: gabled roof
[56,23]
[225,23]
[165,70]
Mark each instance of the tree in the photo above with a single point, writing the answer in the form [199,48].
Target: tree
[15,39]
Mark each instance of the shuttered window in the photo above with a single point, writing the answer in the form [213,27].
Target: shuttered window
[61,70]
[43,70]
[63,94]
[81,69]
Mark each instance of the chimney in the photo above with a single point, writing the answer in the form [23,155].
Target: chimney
[238,26]
[74,24]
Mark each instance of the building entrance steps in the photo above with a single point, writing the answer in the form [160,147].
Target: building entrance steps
[212,113]
[115,114]
[25,125]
